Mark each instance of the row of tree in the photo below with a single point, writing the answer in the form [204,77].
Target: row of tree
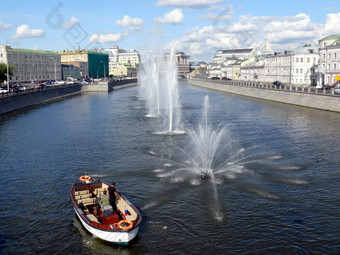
[3,72]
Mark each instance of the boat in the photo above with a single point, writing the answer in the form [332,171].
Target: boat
[119,225]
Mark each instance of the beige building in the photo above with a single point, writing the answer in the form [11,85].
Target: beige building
[123,70]
[31,65]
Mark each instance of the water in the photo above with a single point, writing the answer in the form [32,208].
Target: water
[278,196]
[159,88]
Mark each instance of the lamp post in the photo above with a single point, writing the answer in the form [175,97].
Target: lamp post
[104,67]
[55,69]
[7,76]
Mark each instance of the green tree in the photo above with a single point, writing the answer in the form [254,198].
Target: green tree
[3,72]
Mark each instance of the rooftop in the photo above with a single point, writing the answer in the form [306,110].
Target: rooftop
[9,48]
[330,37]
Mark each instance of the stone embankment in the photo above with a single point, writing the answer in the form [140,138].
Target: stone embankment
[10,102]
[301,96]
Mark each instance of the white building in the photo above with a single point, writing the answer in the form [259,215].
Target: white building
[329,53]
[291,67]
[31,65]
[222,56]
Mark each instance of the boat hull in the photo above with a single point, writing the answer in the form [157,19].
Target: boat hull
[118,237]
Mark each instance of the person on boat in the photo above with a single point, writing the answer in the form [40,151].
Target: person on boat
[113,196]
[104,199]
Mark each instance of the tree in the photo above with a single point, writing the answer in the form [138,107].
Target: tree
[3,72]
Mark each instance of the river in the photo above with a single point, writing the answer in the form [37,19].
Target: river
[280,194]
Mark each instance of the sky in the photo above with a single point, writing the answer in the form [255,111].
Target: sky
[196,27]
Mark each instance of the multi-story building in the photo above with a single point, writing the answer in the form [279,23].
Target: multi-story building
[329,65]
[70,71]
[291,67]
[81,65]
[222,56]
[97,62]
[129,58]
[31,65]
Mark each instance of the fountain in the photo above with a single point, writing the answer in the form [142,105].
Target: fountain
[158,83]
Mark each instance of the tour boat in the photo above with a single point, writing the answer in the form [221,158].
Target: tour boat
[117,226]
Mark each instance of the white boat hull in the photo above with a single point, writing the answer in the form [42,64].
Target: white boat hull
[114,237]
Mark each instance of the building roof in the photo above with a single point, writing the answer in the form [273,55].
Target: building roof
[237,51]
[30,51]
[330,37]
[305,50]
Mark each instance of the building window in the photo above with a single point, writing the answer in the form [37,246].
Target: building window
[329,66]
[297,60]
[301,70]
[324,55]
[308,60]
[314,60]
[297,71]
[334,66]
[334,55]
[301,60]
[329,55]
[323,65]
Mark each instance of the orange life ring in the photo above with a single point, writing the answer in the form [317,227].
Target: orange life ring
[85,178]
[125,224]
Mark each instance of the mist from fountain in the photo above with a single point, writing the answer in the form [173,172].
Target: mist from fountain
[158,85]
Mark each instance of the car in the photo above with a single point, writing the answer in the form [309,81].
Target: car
[59,82]
[70,82]
[278,84]
[215,78]
[327,87]
[2,90]
[337,89]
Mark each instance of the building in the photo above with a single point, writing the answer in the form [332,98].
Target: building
[31,65]
[81,65]
[118,58]
[70,71]
[222,56]
[97,62]
[129,58]
[329,54]
[291,67]
[120,70]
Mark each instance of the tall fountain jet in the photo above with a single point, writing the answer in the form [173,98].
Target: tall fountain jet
[158,83]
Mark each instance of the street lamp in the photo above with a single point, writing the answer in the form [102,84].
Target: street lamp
[55,69]
[104,67]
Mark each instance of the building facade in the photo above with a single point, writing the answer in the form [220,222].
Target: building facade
[31,65]
[329,66]
[97,62]
[291,67]
[70,71]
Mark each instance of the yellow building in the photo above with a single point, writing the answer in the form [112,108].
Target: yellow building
[122,70]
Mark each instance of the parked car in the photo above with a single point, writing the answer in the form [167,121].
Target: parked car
[2,90]
[337,89]
[215,78]
[60,82]
[278,83]
[327,87]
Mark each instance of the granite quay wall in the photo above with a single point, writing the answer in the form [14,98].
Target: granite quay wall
[17,100]
[104,86]
[301,96]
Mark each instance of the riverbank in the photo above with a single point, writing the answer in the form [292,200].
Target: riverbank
[300,96]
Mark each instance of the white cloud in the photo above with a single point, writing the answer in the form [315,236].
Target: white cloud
[105,38]
[4,26]
[284,33]
[188,3]
[23,31]
[73,21]
[174,17]
[132,23]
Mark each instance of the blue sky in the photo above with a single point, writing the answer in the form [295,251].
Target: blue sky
[197,27]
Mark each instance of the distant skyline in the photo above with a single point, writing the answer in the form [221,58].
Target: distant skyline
[197,27]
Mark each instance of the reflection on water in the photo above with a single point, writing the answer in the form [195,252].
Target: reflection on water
[278,196]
